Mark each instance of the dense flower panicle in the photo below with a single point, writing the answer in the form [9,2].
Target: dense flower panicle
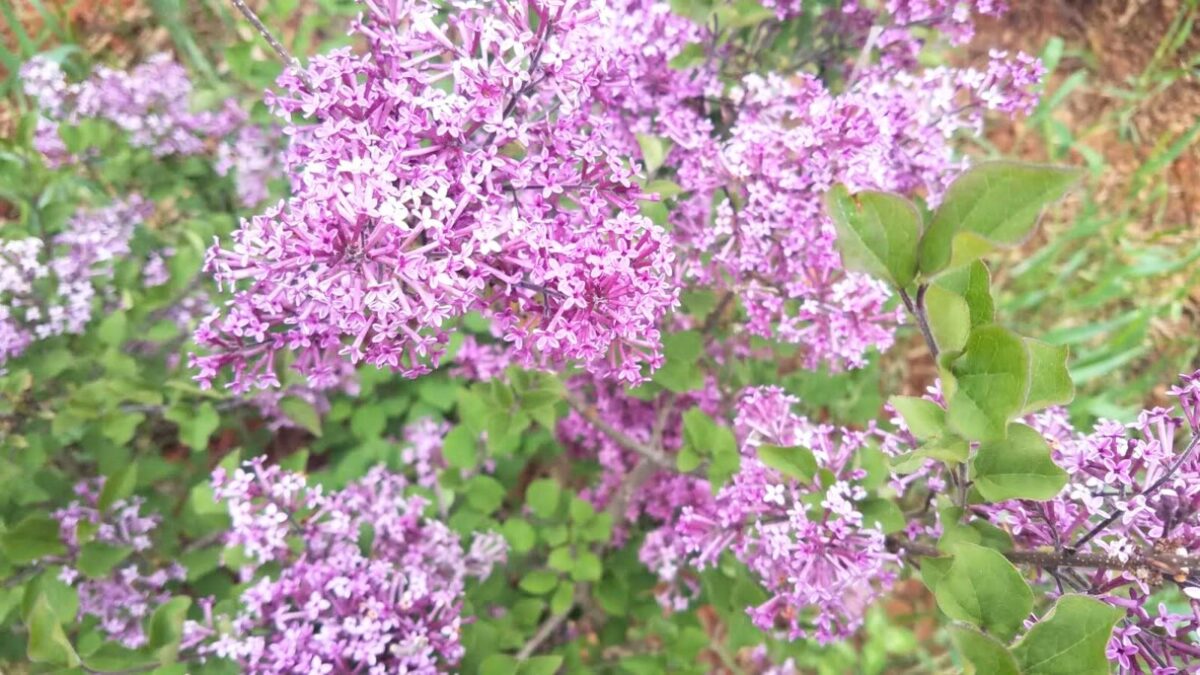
[123,599]
[810,547]
[453,168]
[337,604]
[768,239]
[51,288]
[151,104]
[952,19]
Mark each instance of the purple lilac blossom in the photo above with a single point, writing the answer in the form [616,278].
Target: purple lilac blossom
[123,599]
[52,288]
[334,606]
[413,203]
[809,546]
[150,104]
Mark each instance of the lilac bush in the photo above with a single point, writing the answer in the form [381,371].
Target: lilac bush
[563,350]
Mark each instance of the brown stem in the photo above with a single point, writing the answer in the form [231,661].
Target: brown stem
[917,309]
[593,417]
[1161,562]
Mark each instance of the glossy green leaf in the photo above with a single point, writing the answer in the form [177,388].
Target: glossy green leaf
[984,589]
[302,413]
[541,665]
[882,513]
[654,151]
[1017,467]
[991,204]
[165,630]
[1049,380]
[987,384]
[983,654]
[118,486]
[484,493]
[1070,639]
[461,448]
[36,536]
[877,233]
[48,643]
[949,318]
[798,463]
[924,418]
[973,283]
[539,582]
[96,559]
[542,497]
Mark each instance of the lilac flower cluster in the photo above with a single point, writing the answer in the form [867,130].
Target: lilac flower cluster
[48,286]
[768,240]
[453,168]
[365,583]
[123,599]
[809,545]
[150,104]
[1134,491]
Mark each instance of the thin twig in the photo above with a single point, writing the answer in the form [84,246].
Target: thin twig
[1052,560]
[281,51]
[1183,456]
[593,417]
[917,309]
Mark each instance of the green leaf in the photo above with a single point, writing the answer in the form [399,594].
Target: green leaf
[1018,467]
[933,570]
[983,654]
[539,582]
[949,318]
[96,559]
[993,203]
[1070,640]
[587,567]
[654,151]
[679,372]
[984,589]
[882,512]
[798,463]
[924,418]
[542,497]
[1049,380]
[692,54]
[973,283]
[485,493]
[36,536]
[541,665]
[498,664]
[368,422]
[47,641]
[302,413]
[112,329]
[166,628]
[112,657]
[987,384]
[519,534]
[877,233]
[461,448]
[118,486]
[195,427]
[563,598]
[687,460]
